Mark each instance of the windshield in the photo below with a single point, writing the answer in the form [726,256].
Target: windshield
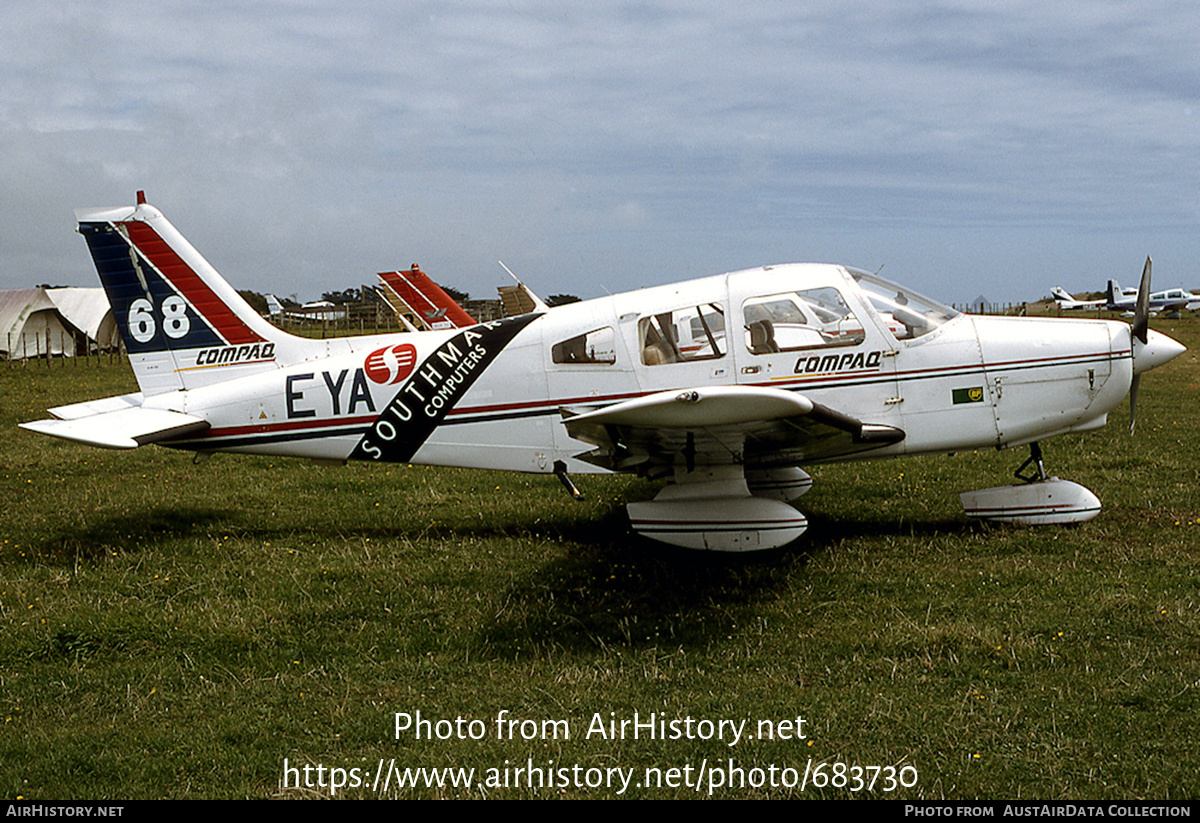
[907,314]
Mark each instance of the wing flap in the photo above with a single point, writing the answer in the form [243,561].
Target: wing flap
[721,425]
[122,428]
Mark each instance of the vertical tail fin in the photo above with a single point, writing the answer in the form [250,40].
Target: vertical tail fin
[181,323]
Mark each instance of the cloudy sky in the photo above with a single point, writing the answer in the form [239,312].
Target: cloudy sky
[972,147]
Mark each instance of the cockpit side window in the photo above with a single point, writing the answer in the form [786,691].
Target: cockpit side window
[805,319]
[682,335]
[597,347]
[908,315]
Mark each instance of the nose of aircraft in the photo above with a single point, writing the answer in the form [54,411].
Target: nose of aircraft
[1157,350]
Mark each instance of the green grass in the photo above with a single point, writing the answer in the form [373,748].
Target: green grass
[178,630]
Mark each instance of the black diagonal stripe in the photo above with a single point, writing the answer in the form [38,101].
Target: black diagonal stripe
[434,388]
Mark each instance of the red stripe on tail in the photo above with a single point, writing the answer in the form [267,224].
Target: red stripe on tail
[415,288]
[193,288]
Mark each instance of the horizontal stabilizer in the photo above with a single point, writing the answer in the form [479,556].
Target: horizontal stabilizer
[92,407]
[125,428]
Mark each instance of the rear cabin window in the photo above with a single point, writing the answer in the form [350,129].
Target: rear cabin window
[683,335]
[597,347]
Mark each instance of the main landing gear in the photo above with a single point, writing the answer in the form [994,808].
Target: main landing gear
[723,508]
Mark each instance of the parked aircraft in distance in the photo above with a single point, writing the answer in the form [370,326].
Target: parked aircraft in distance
[1125,300]
[316,312]
[1171,300]
[724,386]
[1066,302]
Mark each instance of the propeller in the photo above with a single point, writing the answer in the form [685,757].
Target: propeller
[1140,331]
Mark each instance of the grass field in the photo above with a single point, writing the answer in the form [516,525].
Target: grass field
[180,630]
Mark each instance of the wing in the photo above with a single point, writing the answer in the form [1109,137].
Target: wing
[116,423]
[721,425]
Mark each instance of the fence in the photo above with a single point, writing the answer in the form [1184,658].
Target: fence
[1012,309]
[76,348]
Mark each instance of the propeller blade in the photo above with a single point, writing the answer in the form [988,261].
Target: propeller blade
[1141,315]
[1141,331]
[1133,389]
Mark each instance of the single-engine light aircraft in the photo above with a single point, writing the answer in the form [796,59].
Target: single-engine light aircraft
[320,311]
[724,386]
[1125,300]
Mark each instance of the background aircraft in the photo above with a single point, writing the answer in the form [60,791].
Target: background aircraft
[725,386]
[1171,300]
[1119,299]
[1068,303]
[316,312]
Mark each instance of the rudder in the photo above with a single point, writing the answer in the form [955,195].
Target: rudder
[182,324]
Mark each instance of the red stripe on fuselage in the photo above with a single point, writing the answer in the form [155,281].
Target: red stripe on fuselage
[291,425]
[189,284]
[829,380]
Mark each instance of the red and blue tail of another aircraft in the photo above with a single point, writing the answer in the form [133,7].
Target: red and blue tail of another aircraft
[182,324]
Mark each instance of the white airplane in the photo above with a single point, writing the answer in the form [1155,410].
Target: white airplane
[724,386]
[1065,301]
[1125,300]
[1171,300]
[316,312]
